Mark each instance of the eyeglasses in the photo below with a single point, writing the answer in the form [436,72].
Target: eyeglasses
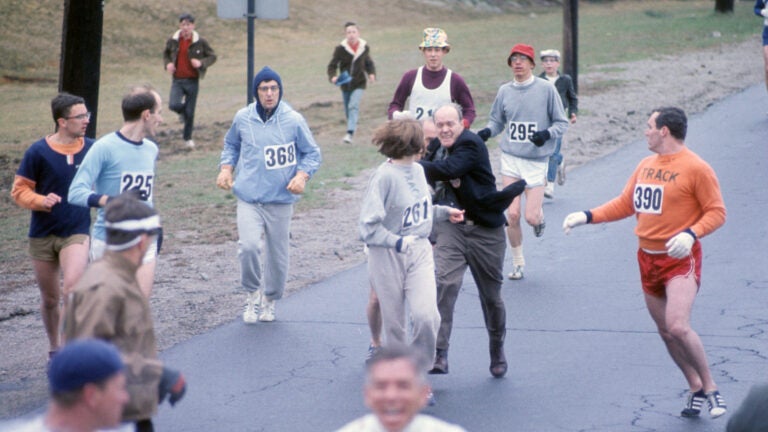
[84,116]
[265,89]
[518,57]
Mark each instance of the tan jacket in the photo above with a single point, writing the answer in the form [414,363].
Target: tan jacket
[107,303]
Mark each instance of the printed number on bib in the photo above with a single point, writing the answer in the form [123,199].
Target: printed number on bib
[648,198]
[280,156]
[140,181]
[521,131]
[420,112]
[416,214]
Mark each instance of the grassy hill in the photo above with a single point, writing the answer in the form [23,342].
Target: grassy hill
[299,49]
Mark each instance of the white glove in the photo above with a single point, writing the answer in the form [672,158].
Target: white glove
[680,245]
[406,242]
[764,12]
[403,115]
[573,220]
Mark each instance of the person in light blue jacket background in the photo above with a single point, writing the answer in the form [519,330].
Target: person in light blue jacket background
[269,155]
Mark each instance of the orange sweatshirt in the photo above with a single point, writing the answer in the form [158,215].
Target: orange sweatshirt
[668,194]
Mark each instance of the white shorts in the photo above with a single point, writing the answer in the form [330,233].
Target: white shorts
[533,172]
[98,246]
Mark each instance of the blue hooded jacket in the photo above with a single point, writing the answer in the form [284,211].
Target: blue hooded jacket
[267,149]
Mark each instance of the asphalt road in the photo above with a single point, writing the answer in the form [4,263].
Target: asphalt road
[584,354]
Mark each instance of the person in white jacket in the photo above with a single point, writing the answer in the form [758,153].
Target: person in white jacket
[269,155]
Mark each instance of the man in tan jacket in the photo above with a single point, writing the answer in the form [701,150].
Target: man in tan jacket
[107,303]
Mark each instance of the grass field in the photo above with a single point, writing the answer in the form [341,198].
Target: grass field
[299,49]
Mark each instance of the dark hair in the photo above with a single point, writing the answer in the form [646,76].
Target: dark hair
[126,206]
[674,119]
[399,138]
[349,24]
[138,100]
[61,106]
[187,16]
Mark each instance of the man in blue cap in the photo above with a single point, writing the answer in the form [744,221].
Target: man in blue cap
[87,385]
[269,155]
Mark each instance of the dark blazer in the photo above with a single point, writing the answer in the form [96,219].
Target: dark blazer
[467,163]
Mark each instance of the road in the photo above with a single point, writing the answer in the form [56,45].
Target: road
[584,354]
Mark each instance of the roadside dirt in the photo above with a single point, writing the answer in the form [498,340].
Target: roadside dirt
[197,287]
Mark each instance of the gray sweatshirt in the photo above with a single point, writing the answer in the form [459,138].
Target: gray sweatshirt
[521,110]
[397,203]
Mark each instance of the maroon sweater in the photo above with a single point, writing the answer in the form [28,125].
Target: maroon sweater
[432,80]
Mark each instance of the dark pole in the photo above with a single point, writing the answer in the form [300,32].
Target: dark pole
[571,40]
[79,71]
[251,19]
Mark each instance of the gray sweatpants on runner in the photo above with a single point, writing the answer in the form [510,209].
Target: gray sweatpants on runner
[264,229]
[400,278]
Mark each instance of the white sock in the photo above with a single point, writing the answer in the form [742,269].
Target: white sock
[517,256]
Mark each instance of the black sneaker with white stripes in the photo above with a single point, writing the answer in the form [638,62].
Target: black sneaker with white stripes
[693,404]
[716,404]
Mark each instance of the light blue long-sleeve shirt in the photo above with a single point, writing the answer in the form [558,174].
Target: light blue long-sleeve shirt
[113,165]
[267,155]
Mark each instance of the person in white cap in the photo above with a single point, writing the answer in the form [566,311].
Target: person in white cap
[432,85]
[352,59]
[529,115]
[108,304]
[564,84]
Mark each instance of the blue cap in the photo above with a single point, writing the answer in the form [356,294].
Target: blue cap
[343,78]
[81,362]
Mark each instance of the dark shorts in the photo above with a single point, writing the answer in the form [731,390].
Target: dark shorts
[48,248]
[765,35]
[656,270]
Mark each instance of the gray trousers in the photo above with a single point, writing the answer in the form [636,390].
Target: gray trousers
[401,279]
[264,229]
[482,250]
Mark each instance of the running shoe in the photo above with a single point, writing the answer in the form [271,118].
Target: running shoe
[549,190]
[372,350]
[693,404]
[517,273]
[538,230]
[252,303]
[716,404]
[348,138]
[267,310]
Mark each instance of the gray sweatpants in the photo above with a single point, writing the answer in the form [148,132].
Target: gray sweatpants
[407,278]
[264,229]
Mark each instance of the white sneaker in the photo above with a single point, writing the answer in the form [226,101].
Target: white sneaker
[549,190]
[189,144]
[517,273]
[267,310]
[252,305]
[348,138]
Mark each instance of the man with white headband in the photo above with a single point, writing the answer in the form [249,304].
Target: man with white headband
[107,303]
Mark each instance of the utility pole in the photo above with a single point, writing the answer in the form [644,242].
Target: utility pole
[79,69]
[571,40]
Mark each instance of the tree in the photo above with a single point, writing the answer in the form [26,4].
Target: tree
[724,6]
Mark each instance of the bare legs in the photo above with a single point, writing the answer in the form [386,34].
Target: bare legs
[672,316]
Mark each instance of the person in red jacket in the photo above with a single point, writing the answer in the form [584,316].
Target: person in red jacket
[675,196]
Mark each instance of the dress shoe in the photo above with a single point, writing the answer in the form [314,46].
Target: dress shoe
[441,363]
[498,361]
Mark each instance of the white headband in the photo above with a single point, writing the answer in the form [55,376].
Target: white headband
[146,224]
